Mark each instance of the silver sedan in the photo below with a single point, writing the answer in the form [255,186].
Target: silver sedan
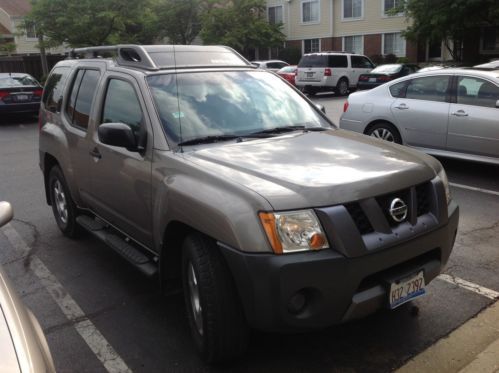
[451,112]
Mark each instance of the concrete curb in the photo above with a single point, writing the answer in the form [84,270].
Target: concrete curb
[473,347]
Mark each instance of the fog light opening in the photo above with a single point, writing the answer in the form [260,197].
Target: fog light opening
[297,302]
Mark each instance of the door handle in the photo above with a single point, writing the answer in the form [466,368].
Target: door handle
[95,153]
[460,113]
[402,107]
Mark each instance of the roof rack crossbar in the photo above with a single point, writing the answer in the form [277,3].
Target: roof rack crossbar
[126,55]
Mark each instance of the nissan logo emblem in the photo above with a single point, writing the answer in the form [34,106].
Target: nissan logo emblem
[398,210]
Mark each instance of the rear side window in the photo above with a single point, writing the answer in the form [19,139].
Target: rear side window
[361,62]
[122,105]
[431,88]
[82,95]
[476,91]
[338,61]
[52,94]
[314,60]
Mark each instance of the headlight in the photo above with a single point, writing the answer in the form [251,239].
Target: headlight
[443,176]
[293,231]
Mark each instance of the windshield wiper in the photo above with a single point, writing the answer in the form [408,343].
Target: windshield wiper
[208,139]
[287,129]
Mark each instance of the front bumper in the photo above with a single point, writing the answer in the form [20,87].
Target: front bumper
[336,288]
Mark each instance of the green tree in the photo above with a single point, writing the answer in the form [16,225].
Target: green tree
[449,20]
[242,25]
[179,20]
[80,23]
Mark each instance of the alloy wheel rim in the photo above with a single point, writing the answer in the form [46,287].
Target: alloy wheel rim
[383,134]
[60,202]
[197,310]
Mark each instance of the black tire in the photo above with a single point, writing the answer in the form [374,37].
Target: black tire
[311,91]
[59,194]
[385,131]
[222,332]
[342,87]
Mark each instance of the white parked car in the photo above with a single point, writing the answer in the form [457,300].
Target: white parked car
[331,71]
[447,112]
[272,65]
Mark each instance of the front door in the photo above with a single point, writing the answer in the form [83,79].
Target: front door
[121,179]
[474,118]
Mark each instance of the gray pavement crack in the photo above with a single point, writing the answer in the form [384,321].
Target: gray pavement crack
[480,229]
[34,245]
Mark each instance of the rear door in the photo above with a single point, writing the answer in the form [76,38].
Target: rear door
[423,111]
[121,179]
[474,117]
[311,68]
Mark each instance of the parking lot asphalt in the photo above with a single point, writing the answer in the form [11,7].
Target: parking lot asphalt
[149,333]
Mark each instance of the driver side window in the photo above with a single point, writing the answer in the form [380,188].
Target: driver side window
[122,105]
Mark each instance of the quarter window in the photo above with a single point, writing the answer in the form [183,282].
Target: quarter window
[431,88]
[353,44]
[352,9]
[275,14]
[311,46]
[394,44]
[478,92]
[310,11]
[82,95]
[398,90]
[52,95]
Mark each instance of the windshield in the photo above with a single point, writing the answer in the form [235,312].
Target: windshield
[387,69]
[228,103]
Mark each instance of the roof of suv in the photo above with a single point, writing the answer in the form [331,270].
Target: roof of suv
[332,52]
[157,57]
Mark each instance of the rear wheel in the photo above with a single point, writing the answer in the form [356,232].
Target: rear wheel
[385,131]
[215,315]
[63,207]
[342,87]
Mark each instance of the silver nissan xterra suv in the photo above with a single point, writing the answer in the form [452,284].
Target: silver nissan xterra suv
[194,165]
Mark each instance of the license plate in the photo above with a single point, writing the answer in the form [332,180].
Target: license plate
[22,97]
[372,80]
[310,75]
[406,289]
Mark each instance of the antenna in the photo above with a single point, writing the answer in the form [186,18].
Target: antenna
[178,99]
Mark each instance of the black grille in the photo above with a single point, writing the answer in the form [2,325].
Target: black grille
[423,198]
[359,218]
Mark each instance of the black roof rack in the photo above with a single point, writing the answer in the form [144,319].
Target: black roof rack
[155,57]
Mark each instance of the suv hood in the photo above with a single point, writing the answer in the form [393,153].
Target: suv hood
[311,169]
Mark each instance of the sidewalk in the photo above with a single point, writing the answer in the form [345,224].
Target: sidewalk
[472,348]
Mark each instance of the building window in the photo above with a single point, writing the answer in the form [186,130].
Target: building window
[30,30]
[310,11]
[435,50]
[353,44]
[490,39]
[275,14]
[394,44]
[353,9]
[389,5]
[311,46]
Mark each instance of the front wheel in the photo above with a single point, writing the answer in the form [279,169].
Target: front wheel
[385,131]
[342,87]
[215,315]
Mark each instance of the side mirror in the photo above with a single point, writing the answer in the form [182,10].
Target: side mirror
[117,134]
[321,108]
[6,213]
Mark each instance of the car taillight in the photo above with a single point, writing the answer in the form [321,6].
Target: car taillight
[345,106]
[383,78]
[327,72]
[38,92]
[4,94]
[363,78]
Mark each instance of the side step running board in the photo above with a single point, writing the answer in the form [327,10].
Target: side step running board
[128,251]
